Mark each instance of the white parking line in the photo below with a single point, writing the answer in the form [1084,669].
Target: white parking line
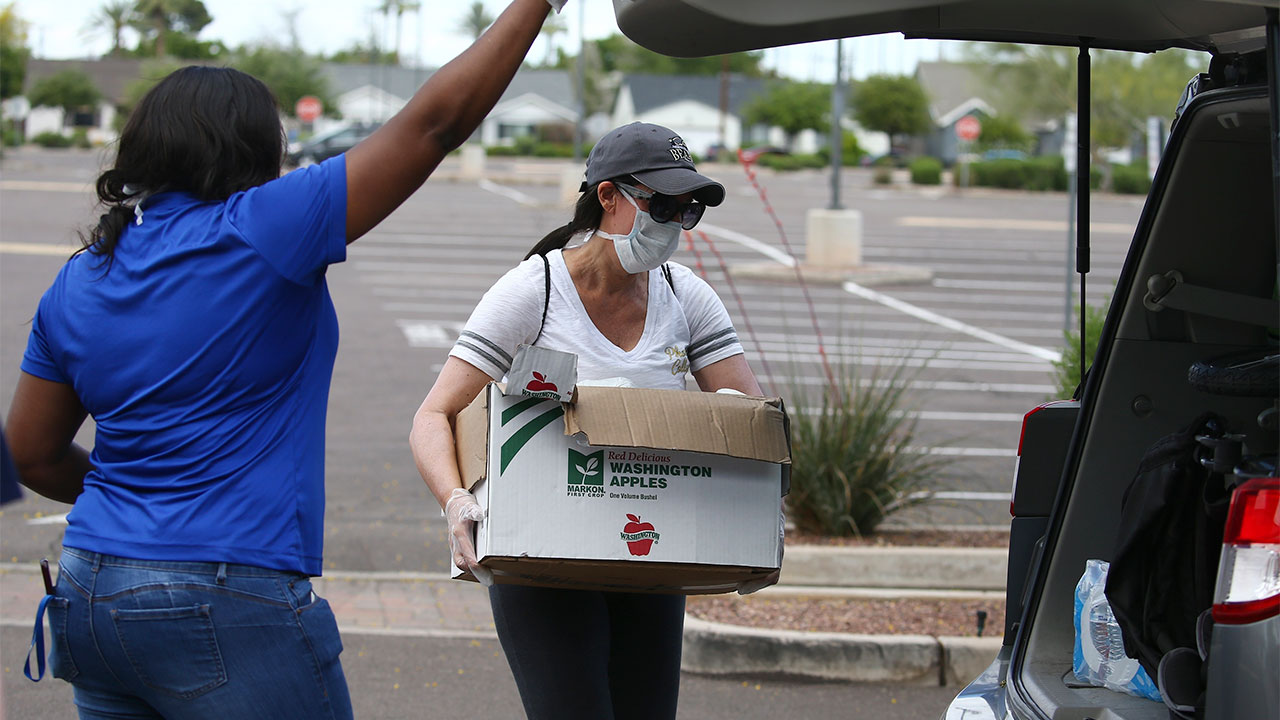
[1009,224]
[35,249]
[48,520]
[907,308]
[935,318]
[507,192]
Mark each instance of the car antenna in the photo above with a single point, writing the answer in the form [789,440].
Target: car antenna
[1082,184]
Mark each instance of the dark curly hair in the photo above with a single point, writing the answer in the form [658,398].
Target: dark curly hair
[209,131]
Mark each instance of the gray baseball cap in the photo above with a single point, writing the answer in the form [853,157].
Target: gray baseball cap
[653,155]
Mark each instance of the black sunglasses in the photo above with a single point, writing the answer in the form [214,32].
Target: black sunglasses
[664,207]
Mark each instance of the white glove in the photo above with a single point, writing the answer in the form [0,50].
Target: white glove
[462,512]
[557,5]
[747,587]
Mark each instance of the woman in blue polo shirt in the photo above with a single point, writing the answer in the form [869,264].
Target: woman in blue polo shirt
[196,328]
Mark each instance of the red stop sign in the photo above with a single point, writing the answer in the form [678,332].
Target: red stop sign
[968,128]
[308,108]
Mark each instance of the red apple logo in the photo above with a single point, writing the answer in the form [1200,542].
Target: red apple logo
[638,535]
[539,384]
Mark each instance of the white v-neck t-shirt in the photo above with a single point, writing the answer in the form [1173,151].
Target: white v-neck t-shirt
[685,330]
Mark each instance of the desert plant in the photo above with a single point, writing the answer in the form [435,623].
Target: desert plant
[853,460]
[926,171]
[1066,370]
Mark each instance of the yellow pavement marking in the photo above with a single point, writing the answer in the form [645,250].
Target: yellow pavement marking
[35,249]
[1008,224]
[46,186]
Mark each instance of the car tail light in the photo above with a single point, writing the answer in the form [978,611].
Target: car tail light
[1022,435]
[1249,572]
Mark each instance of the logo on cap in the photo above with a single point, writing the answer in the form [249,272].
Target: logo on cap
[679,150]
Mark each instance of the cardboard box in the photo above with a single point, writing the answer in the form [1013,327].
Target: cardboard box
[626,489]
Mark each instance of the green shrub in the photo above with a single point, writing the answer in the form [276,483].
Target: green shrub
[851,153]
[553,150]
[926,171]
[11,137]
[853,462]
[51,139]
[1130,179]
[883,174]
[80,138]
[501,151]
[786,163]
[1066,371]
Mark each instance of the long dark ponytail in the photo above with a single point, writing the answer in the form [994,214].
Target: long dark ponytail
[587,214]
[208,131]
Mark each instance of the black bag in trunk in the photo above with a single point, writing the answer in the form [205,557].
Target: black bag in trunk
[1165,562]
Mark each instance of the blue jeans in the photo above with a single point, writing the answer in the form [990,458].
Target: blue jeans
[154,639]
[589,655]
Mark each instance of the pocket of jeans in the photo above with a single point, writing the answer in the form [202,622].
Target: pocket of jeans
[172,650]
[321,628]
[61,664]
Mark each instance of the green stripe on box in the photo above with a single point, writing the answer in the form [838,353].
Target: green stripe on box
[522,436]
[510,413]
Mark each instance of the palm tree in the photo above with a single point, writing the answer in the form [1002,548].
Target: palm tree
[113,17]
[476,20]
[399,7]
[162,16]
[552,27]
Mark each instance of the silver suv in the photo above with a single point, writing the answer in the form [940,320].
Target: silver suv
[1191,330]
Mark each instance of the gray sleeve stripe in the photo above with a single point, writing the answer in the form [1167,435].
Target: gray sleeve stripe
[696,347]
[502,353]
[479,351]
[707,351]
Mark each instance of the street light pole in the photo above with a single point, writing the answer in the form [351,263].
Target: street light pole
[581,82]
[837,130]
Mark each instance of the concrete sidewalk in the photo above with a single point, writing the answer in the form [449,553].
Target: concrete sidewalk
[430,605]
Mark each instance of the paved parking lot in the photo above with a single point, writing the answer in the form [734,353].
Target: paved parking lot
[976,336]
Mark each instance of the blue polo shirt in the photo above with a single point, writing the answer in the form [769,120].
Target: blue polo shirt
[204,353]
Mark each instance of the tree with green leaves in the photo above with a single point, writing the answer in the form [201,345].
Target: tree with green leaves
[1036,83]
[792,106]
[1004,131]
[619,54]
[892,104]
[289,74]
[158,20]
[476,21]
[112,18]
[71,90]
[14,52]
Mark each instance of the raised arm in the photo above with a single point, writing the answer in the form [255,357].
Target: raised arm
[385,169]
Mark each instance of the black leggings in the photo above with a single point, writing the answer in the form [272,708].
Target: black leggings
[591,655]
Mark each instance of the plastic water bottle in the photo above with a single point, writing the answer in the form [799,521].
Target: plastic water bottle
[1103,645]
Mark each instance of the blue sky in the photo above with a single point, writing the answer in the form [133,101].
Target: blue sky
[58,30]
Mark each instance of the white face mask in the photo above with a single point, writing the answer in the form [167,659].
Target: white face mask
[648,245]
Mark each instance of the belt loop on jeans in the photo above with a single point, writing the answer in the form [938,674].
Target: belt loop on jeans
[221,579]
[97,562]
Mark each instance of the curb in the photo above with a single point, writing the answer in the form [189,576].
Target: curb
[896,567]
[717,649]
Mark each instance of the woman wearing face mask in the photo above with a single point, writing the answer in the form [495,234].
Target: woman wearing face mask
[615,300]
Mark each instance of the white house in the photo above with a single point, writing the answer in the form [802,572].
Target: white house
[534,99]
[112,77]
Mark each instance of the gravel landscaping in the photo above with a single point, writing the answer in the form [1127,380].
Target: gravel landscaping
[905,616]
[864,617]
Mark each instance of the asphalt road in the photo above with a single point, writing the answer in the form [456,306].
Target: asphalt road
[976,335]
